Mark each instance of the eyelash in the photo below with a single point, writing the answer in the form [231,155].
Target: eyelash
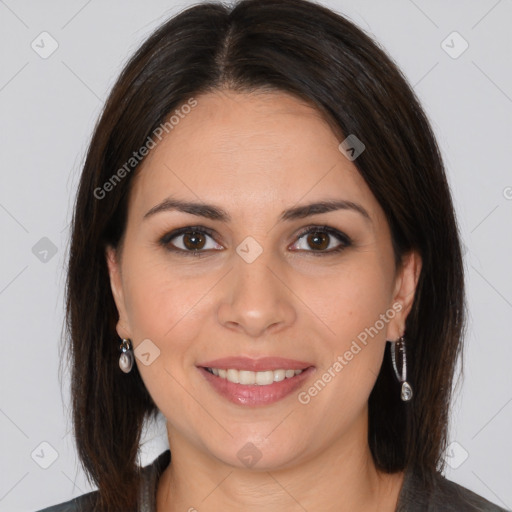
[166,239]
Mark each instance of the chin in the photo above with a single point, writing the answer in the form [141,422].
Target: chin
[259,453]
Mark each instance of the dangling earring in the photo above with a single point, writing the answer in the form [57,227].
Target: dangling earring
[399,345]
[126,357]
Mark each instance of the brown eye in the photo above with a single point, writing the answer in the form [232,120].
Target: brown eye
[319,239]
[194,240]
[190,240]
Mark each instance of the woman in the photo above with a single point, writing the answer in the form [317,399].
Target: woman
[264,249]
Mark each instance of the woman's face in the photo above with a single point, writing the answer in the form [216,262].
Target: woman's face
[257,286]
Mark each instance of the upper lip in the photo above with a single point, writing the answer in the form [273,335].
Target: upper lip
[256,365]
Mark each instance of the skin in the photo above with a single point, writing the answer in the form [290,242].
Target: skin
[255,155]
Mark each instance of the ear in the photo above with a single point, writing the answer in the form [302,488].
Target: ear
[404,293]
[116,285]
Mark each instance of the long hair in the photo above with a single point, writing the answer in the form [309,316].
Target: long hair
[319,56]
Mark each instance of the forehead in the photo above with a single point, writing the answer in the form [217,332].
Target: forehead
[249,151]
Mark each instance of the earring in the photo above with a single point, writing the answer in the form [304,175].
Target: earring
[126,357]
[399,346]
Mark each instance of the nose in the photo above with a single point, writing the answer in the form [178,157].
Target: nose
[255,298]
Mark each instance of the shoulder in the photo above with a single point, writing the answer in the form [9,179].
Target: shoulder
[456,497]
[149,477]
[442,496]
[84,503]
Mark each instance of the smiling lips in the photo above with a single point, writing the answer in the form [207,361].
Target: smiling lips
[247,381]
[246,377]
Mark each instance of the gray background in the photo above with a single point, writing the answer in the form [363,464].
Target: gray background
[49,107]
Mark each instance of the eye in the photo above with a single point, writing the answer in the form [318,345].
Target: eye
[320,239]
[194,240]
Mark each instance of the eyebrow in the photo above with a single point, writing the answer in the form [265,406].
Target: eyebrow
[213,212]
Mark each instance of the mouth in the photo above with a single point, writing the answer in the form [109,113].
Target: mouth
[250,382]
[248,378]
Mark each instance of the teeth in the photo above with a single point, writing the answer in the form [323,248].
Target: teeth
[259,378]
[232,376]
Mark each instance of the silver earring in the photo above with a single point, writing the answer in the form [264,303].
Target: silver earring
[126,357]
[399,346]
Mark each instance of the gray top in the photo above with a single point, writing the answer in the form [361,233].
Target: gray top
[447,496]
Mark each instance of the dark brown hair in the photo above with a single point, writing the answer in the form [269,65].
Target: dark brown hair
[320,57]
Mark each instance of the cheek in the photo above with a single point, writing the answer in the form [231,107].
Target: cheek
[169,310]
[164,309]
[156,298]
[354,304]
[350,303]
[352,298]
[166,304]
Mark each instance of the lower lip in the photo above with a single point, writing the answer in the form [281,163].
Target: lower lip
[254,395]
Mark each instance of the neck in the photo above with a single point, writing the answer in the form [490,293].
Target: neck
[342,478]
